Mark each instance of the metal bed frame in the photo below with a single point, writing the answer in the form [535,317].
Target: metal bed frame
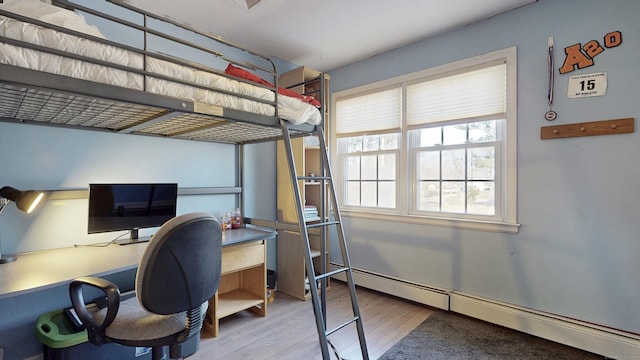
[37,97]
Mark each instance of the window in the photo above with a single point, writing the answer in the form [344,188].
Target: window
[437,146]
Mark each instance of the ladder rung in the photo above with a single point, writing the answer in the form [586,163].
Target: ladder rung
[314,178]
[329,332]
[330,273]
[309,226]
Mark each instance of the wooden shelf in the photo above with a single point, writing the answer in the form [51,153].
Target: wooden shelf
[306,153]
[236,301]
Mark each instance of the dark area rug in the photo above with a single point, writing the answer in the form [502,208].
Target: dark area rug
[446,335]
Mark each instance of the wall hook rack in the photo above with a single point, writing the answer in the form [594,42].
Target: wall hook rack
[604,127]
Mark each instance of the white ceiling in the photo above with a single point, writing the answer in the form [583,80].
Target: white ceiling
[326,34]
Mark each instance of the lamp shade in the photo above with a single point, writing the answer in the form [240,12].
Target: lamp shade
[25,200]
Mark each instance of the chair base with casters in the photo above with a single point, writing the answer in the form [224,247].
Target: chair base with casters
[178,273]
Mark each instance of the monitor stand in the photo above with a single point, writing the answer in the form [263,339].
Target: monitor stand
[133,238]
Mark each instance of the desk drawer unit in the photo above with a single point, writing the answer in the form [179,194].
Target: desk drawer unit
[243,284]
[243,256]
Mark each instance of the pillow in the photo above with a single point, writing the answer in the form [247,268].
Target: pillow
[306,98]
[52,14]
[241,73]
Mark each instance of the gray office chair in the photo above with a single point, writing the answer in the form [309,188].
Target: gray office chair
[178,273]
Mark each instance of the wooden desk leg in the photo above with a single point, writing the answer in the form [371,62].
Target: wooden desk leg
[211,323]
[256,283]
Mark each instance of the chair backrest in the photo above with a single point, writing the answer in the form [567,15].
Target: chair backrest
[180,269]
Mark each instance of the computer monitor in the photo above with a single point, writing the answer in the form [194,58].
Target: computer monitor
[117,207]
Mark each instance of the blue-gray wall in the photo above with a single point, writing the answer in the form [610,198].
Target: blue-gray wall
[576,251]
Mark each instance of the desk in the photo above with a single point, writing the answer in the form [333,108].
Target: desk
[45,269]
[40,270]
[38,283]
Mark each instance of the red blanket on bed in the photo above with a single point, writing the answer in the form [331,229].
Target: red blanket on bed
[241,73]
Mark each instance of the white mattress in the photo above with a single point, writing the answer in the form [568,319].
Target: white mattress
[291,109]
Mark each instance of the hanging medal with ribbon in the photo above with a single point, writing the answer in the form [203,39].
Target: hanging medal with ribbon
[550,115]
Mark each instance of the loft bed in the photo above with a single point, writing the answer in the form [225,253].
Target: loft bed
[57,70]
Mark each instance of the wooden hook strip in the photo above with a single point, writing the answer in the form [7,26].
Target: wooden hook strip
[605,127]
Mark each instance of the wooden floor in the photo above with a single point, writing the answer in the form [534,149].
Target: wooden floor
[288,331]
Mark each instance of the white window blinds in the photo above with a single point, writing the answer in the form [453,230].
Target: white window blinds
[371,112]
[462,96]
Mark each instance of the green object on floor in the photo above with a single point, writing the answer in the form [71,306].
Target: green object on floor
[55,331]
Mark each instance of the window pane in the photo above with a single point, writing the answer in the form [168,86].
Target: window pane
[482,131]
[354,144]
[369,167]
[387,194]
[431,136]
[453,196]
[428,165]
[453,164]
[481,163]
[428,196]
[387,166]
[369,194]
[454,134]
[371,143]
[481,198]
[352,195]
[389,142]
[353,168]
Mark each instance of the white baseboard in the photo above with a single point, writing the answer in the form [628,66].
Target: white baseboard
[597,339]
[431,296]
[590,337]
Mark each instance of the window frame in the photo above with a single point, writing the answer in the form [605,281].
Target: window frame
[506,173]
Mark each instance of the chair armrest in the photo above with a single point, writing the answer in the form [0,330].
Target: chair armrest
[95,331]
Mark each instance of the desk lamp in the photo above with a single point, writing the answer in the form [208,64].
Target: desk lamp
[25,201]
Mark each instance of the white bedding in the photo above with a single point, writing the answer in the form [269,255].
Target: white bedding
[289,108]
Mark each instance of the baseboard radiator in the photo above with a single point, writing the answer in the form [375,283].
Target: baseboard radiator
[597,339]
[435,297]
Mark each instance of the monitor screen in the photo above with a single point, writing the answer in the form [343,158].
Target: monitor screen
[115,207]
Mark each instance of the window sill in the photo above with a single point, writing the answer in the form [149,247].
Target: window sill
[509,228]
